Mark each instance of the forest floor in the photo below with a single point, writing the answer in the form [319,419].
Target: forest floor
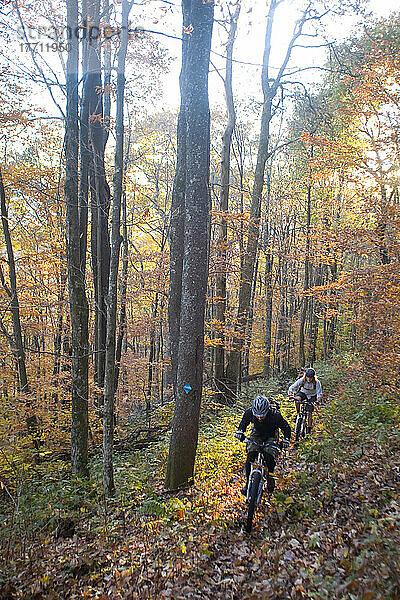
[330,530]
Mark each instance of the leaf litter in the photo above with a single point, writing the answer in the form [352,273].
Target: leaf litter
[330,531]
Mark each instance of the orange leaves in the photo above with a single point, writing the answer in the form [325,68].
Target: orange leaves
[93,118]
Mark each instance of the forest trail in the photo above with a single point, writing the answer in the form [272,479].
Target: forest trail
[330,530]
[155,251]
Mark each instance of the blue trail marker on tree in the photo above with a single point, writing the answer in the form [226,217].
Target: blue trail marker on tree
[187,387]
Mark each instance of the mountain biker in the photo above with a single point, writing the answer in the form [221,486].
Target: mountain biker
[309,389]
[266,422]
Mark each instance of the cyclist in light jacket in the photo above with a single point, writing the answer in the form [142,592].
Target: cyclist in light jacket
[306,388]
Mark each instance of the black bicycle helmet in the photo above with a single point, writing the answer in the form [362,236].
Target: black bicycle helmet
[260,406]
[310,373]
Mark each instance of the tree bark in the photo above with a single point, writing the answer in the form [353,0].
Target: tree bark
[314,319]
[85,155]
[249,329]
[61,308]
[177,218]
[76,283]
[306,285]
[189,362]
[382,227]
[269,261]
[220,281]
[268,313]
[13,294]
[109,382]
[100,193]
[124,286]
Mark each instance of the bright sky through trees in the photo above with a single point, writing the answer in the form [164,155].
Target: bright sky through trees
[250,44]
[248,54]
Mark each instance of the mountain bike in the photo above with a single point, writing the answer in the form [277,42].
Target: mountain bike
[257,480]
[300,427]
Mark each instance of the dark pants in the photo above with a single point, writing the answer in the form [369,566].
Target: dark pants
[251,456]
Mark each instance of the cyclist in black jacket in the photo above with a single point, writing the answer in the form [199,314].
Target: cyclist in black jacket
[266,422]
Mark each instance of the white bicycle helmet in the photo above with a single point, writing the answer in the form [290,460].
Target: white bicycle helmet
[260,406]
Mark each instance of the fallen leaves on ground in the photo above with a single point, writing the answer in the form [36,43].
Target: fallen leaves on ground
[331,530]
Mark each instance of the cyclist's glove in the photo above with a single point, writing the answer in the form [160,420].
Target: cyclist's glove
[285,443]
[240,436]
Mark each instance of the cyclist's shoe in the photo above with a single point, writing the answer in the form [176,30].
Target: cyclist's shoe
[270,483]
[308,430]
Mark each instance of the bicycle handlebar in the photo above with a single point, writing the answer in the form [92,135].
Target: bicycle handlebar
[264,444]
[302,401]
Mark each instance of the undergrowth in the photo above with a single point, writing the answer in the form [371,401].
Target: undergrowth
[351,418]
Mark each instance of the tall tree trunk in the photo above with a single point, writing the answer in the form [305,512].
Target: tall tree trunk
[100,193]
[121,338]
[76,282]
[177,224]
[268,313]
[13,294]
[152,356]
[331,329]
[189,364]
[270,88]
[381,228]
[124,286]
[109,382]
[85,155]
[249,329]
[220,281]
[269,260]
[246,275]
[306,285]
[61,308]
[315,319]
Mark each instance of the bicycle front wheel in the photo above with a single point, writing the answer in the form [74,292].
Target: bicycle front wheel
[254,486]
[298,427]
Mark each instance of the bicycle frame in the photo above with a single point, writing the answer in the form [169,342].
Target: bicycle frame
[255,486]
[257,466]
[301,421]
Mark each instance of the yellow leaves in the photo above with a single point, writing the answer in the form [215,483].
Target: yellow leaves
[212,342]
[298,586]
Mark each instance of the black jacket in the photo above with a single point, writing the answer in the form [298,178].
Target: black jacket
[266,428]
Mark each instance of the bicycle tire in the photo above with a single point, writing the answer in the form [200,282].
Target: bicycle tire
[254,485]
[298,430]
